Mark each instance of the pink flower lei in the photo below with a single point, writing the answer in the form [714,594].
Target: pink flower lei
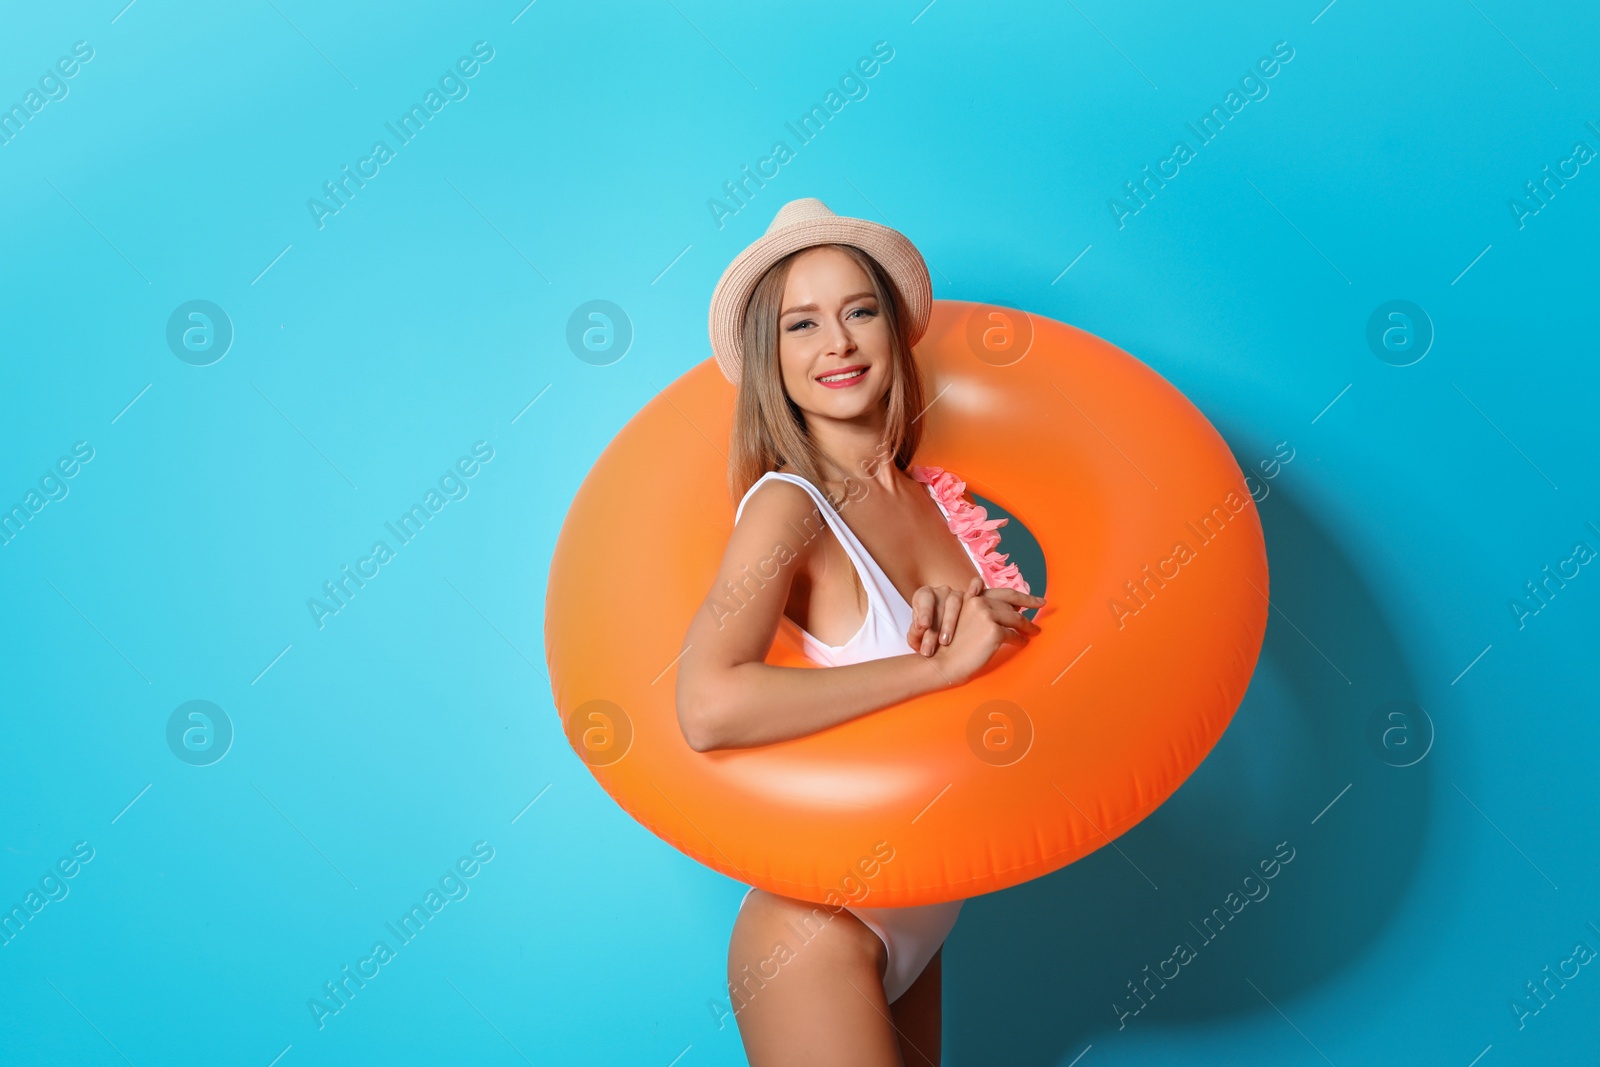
[972,524]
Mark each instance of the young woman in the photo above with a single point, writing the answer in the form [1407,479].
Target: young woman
[815,324]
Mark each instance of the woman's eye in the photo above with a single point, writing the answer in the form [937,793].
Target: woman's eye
[793,326]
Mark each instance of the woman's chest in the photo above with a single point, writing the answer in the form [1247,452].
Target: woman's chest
[910,543]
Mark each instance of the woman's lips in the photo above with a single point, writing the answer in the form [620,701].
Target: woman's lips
[848,381]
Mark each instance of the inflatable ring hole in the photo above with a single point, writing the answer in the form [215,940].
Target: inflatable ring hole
[1019,546]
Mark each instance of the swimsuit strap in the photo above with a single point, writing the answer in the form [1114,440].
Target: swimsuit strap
[879,588]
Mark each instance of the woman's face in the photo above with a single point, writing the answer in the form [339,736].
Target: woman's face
[829,323]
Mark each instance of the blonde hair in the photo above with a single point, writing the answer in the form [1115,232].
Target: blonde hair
[769,429]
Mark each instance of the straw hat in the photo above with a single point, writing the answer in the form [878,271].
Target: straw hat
[802,224]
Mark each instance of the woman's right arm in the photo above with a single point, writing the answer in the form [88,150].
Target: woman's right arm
[729,697]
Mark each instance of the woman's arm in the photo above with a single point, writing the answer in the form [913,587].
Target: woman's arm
[727,696]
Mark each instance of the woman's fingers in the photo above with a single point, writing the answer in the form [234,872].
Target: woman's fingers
[1014,596]
[923,620]
[936,611]
[953,599]
[950,601]
[1009,616]
[930,639]
[931,616]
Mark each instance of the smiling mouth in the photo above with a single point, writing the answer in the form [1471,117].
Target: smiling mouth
[844,376]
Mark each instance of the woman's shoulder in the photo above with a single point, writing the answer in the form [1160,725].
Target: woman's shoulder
[776,492]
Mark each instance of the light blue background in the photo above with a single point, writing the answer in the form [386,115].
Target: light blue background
[427,314]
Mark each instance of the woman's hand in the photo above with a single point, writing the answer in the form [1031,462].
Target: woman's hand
[934,610]
[987,620]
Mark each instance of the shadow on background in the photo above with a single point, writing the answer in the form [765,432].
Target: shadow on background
[1035,973]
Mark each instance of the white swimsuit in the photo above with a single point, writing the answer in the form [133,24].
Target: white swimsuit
[911,935]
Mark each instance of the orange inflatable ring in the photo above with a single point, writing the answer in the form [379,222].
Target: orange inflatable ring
[1156,611]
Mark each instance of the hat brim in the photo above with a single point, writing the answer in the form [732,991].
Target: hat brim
[898,256]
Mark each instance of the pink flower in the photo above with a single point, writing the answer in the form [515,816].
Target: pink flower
[972,524]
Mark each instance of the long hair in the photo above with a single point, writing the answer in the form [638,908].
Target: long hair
[769,429]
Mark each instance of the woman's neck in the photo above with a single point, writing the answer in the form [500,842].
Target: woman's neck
[861,459]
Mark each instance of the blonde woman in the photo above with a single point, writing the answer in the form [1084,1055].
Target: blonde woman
[888,575]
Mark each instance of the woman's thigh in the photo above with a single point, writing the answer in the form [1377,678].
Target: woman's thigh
[806,986]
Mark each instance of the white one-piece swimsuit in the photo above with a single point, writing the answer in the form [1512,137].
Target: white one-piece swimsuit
[913,934]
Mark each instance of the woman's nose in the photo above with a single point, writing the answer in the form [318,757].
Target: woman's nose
[837,339]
